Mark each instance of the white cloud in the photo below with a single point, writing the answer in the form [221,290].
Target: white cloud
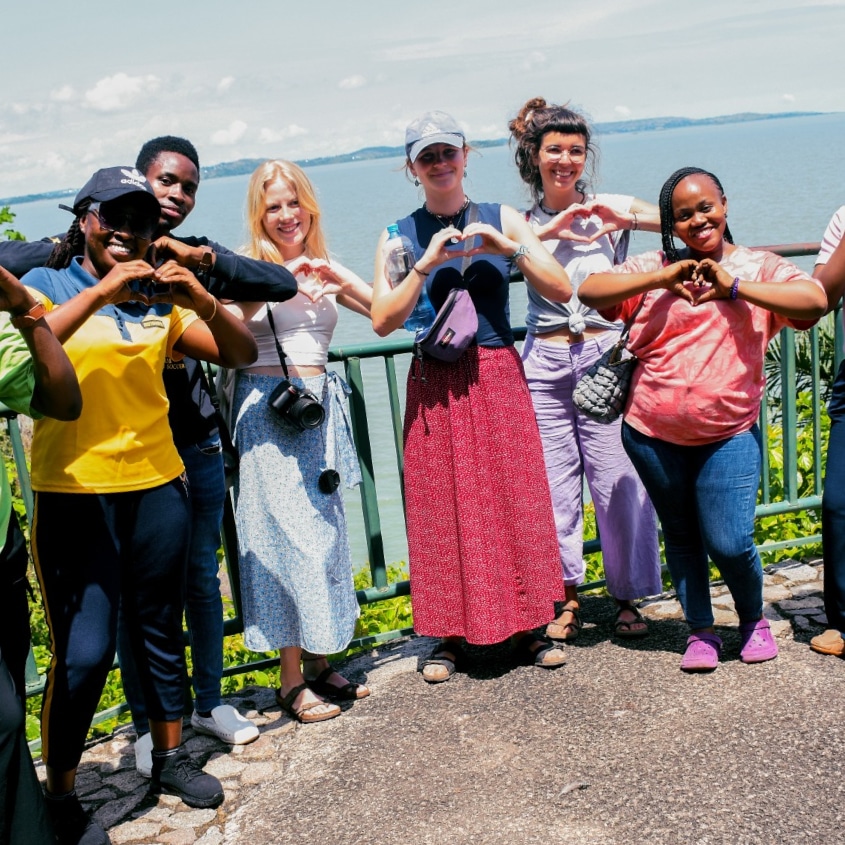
[790,98]
[118,92]
[233,134]
[351,82]
[533,60]
[225,84]
[269,136]
[64,94]
[622,111]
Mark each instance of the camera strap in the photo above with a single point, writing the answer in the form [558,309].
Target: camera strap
[276,340]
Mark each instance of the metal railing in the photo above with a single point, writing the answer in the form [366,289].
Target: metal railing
[351,357]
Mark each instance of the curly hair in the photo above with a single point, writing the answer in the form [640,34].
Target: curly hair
[260,246]
[527,129]
[153,148]
[667,217]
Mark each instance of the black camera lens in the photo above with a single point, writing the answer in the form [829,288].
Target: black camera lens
[309,412]
[299,408]
[328,481]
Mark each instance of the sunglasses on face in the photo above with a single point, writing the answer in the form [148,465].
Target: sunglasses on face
[124,218]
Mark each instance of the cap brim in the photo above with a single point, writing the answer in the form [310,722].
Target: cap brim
[116,193]
[449,138]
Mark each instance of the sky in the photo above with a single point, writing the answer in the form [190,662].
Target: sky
[85,84]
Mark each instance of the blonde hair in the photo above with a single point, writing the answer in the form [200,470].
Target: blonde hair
[260,245]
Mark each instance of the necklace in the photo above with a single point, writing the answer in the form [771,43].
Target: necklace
[447,220]
[558,211]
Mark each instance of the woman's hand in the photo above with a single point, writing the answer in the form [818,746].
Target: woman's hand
[184,290]
[712,281]
[116,285]
[439,251]
[560,227]
[14,297]
[491,240]
[675,276]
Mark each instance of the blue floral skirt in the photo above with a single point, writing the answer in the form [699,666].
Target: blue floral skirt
[296,566]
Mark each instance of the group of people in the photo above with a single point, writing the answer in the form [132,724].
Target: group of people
[113,319]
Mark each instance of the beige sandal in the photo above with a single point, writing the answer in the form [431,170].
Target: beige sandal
[565,632]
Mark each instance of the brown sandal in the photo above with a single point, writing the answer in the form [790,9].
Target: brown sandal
[301,713]
[565,632]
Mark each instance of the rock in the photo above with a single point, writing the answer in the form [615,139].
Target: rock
[185,836]
[258,773]
[792,605]
[801,622]
[134,831]
[776,593]
[213,836]
[781,628]
[191,818]
[115,811]
[224,766]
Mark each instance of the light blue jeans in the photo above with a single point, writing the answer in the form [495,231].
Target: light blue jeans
[705,498]
[203,605]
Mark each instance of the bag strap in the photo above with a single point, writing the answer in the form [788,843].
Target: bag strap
[279,349]
[472,216]
[626,330]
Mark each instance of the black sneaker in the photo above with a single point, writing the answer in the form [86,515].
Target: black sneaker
[175,773]
[72,824]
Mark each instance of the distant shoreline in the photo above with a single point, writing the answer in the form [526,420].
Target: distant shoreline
[245,166]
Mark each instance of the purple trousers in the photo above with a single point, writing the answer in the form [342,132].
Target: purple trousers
[575,447]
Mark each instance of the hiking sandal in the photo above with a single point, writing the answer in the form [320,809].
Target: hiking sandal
[534,650]
[446,655]
[565,632]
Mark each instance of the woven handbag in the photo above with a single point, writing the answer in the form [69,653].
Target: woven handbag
[602,391]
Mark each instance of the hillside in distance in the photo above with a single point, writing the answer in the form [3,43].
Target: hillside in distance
[245,166]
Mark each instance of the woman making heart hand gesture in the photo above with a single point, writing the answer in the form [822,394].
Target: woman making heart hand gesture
[481,536]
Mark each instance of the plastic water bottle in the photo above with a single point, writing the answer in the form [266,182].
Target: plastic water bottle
[399,259]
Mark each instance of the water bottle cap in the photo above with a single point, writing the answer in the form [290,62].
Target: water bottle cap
[392,230]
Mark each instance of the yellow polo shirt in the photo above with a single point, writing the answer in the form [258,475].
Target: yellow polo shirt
[122,440]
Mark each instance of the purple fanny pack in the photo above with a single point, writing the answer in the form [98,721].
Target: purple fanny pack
[453,330]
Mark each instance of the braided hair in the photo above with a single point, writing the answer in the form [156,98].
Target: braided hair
[73,243]
[534,120]
[667,216]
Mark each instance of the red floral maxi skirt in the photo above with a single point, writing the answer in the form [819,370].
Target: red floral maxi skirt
[483,550]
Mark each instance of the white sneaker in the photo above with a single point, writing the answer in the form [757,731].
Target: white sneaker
[227,724]
[144,755]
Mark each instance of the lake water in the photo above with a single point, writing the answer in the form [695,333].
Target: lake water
[784,179]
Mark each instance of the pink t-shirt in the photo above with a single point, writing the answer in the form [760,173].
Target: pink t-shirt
[700,373]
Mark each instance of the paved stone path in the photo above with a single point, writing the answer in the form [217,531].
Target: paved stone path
[523,755]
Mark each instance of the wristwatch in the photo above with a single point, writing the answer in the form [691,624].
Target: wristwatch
[30,318]
[203,269]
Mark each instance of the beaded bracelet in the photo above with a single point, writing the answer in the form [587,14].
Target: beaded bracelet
[735,288]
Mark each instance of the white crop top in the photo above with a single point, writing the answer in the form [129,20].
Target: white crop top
[304,329]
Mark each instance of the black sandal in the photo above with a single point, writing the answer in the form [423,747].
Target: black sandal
[348,692]
[445,654]
[532,650]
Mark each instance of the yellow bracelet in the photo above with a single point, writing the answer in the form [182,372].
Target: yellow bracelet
[213,313]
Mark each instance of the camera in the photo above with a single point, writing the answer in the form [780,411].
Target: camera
[301,408]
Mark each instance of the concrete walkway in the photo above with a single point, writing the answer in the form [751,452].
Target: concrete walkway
[616,746]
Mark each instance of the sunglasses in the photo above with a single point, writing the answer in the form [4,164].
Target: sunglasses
[124,218]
